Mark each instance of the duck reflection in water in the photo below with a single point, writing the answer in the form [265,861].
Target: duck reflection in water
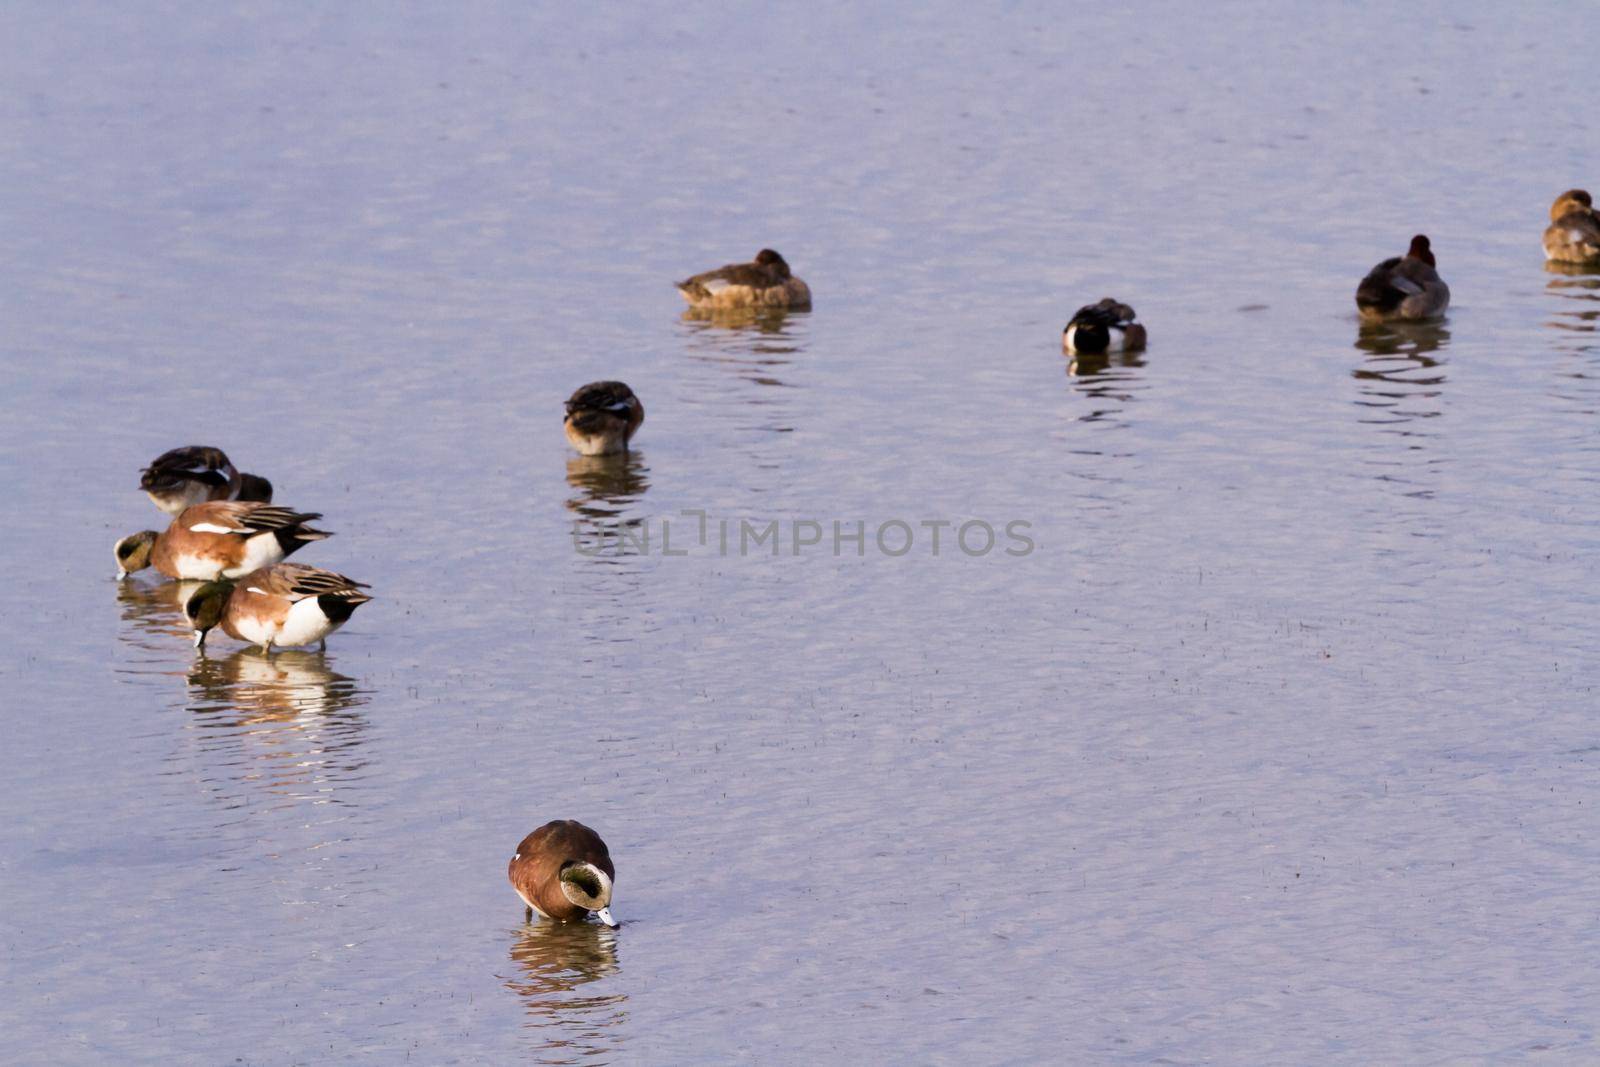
[1410,340]
[1579,287]
[754,343]
[607,490]
[1108,380]
[154,609]
[553,963]
[1400,379]
[285,723]
[281,686]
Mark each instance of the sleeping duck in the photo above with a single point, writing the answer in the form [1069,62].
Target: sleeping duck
[1104,327]
[602,418]
[1573,235]
[1405,288]
[763,283]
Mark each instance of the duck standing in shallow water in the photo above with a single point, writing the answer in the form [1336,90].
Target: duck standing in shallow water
[763,283]
[1104,327]
[602,418]
[222,539]
[285,604]
[563,871]
[196,474]
[1573,235]
[1405,288]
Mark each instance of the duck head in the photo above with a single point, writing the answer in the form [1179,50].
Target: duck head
[773,262]
[204,608]
[1421,249]
[1570,201]
[133,552]
[588,887]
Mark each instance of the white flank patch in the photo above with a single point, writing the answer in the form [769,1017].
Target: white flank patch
[1072,336]
[211,527]
[262,550]
[254,630]
[196,568]
[306,623]
[1118,340]
[716,285]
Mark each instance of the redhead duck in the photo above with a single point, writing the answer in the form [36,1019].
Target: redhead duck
[1405,288]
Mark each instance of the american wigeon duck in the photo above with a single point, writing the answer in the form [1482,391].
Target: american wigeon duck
[1104,327]
[563,871]
[221,539]
[763,283]
[285,604]
[196,474]
[1573,235]
[1405,288]
[602,418]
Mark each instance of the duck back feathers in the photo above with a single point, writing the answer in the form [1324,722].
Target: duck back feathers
[766,281]
[1573,235]
[1106,326]
[1404,287]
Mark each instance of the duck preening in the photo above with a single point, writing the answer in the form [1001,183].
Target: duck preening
[196,474]
[1573,235]
[602,418]
[1405,288]
[765,282]
[1107,326]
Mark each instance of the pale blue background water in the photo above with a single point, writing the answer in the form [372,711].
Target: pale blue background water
[1280,748]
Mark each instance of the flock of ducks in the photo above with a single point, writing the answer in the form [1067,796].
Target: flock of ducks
[226,533]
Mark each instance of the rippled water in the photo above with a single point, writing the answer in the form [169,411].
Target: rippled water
[1279,746]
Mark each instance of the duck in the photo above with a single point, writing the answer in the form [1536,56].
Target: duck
[1104,327]
[765,282]
[563,871]
[1573,235]
[1405,288]
[602,418]
[284,604]
[196,474]
[219,539]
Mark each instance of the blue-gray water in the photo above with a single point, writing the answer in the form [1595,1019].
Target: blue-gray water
[1281,745]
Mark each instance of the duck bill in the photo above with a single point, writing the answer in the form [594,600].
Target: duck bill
[604,915]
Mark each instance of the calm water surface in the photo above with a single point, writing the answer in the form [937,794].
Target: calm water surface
[1281,745]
